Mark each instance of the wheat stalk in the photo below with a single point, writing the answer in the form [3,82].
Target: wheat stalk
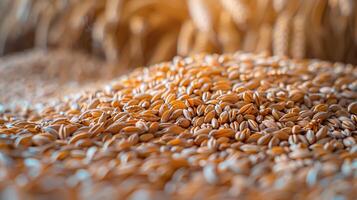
[132,32]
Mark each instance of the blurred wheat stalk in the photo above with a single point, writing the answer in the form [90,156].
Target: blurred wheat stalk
[137,32]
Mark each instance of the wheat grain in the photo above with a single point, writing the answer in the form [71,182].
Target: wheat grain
[159,130]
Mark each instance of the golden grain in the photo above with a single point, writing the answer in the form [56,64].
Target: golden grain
[240,135]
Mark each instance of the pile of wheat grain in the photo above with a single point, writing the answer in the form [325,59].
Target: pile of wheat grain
[37,75]
[138,32]
[203,127]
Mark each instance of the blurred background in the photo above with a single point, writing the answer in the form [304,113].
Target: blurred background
[113,36]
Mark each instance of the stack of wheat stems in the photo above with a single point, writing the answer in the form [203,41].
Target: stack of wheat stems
[138,32]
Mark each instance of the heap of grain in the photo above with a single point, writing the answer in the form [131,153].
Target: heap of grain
[39,75]
[208,126]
